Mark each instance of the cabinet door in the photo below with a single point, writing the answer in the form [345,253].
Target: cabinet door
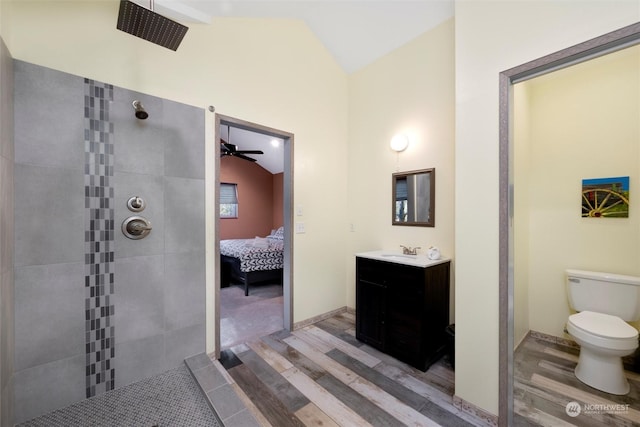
[405,308]
[370,313]
[437,307]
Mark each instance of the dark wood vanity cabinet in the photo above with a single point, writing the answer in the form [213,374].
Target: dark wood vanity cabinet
[403,310]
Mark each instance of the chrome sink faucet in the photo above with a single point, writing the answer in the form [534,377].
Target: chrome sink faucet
[408,250]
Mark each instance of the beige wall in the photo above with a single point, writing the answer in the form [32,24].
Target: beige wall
[268,71]
[492,36]
[410,90]
[583,123]
[521,134]
[274,72]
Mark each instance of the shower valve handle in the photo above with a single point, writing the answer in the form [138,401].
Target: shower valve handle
[136,227]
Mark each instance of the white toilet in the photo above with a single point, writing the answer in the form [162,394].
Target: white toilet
[605,302]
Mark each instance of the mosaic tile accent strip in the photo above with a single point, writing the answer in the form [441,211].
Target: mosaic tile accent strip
[99,238]
[170,399]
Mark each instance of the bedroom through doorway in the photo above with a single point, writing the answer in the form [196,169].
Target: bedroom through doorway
[254,187]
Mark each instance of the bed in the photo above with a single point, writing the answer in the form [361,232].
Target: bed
[250,261]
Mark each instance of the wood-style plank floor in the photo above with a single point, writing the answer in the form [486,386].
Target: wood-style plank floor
[321,375]
[544,384]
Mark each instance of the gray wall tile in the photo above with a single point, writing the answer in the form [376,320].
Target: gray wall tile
[7,402]
[138,300]
[159,281]
[7,196]
[6,103]
[184,215]
[139,359]
[7,341]
[47,387]
[6,236]
[184,149]
[183,343]
[49,117]
[184,290]
[49,209]
[151,189]
[49,321]
[139,144]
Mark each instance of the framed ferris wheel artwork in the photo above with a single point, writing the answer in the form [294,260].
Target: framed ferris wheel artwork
[605,197]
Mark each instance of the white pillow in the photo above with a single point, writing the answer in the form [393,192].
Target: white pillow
[278,234]
[260,242]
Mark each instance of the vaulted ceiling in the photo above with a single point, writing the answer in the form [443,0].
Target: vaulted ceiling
[355,32]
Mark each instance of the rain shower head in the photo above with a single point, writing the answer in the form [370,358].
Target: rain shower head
[148,25]
[140,111]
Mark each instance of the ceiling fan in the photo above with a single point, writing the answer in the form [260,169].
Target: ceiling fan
[228,149]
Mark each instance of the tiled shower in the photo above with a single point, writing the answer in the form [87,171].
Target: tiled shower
[94,310]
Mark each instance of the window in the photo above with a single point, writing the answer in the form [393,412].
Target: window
[228,200]
[402,200]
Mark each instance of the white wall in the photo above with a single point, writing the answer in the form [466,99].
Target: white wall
[492,36]
[583,123]
[268,71]
[411,90]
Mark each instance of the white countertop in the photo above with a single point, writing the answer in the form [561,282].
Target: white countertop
[419,260]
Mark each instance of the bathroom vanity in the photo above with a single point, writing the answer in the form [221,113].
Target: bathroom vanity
[402,305]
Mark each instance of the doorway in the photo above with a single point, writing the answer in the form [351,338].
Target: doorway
[600,46]
[223,126]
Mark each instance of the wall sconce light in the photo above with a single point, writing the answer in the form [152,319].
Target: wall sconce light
[399,142]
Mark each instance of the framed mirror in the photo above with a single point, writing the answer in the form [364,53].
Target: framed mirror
[413,198]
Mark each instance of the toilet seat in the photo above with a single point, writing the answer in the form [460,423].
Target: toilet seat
[603,325]
[603,330]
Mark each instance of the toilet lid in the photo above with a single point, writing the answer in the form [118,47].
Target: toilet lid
[604,325]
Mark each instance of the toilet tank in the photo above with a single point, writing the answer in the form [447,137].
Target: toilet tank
[614,294]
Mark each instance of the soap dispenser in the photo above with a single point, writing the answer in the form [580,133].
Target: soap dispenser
[433,253]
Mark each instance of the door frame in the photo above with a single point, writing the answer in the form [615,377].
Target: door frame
[610,42]
[213,224]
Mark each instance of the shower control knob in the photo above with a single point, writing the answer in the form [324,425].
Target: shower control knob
[136,204]
[136,227]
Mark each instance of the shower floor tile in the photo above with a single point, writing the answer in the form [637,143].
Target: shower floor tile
[169,399]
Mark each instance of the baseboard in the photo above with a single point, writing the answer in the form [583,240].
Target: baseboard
[553,339]
[487,418]
[515,347]
[319,318]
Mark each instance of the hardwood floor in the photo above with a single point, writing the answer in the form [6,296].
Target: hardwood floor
[544,383]
[321,375]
